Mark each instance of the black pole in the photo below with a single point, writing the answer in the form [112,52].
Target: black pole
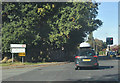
[109,47]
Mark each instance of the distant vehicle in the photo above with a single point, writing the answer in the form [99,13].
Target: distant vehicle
[112,54]
[86,57]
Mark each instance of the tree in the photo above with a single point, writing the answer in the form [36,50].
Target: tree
[25,23]
[47,26]
[72,23]
[100,44]
[91,40]
[118,49]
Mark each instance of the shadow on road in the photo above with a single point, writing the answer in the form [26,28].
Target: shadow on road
[104,58]
[39,69]
[108,58]
[118,58]
[79,81]
[103,79]
[99,68]
[105,67]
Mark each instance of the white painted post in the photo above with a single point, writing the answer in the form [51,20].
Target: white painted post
[12,58]
[22,59]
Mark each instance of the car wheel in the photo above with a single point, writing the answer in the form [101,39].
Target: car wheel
[77,68]
[80,68]
[97,66]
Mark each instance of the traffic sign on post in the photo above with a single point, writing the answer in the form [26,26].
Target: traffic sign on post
[18,48]
[21,54]
[18,45]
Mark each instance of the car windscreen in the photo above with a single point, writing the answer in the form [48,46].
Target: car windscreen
[86,53]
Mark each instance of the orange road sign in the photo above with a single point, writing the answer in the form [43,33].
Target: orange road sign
[21,54]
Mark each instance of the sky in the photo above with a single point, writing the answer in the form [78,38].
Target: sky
[119,23]
[108,14]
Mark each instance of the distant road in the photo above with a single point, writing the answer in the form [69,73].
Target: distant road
[108,71]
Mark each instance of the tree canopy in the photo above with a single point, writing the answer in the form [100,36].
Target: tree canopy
[46,25]
[96,44]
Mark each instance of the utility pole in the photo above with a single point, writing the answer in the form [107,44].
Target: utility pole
[96,47]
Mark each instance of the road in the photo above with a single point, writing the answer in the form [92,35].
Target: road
[108,71]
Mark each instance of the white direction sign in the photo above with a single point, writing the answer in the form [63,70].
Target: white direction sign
[18,50]
[18,45]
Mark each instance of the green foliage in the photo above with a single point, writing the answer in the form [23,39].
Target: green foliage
[100,44]
[46,26]
[118,49]
[73,21]
[102,52]
[23,24]
[91,40]
[96,44]
[0,42]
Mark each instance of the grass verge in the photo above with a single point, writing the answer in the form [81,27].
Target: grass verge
[25,63]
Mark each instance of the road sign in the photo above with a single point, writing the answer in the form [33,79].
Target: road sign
[18,50]
[21,54]
[18,45]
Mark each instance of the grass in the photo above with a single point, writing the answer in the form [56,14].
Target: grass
[5,64]
[20,63]
[101,52]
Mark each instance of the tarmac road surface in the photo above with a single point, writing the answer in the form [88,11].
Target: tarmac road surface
[108,71]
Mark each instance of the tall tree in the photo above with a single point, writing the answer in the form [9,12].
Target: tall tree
[43,26]
[91,40]
[73,22]
[26,23]
[100,44]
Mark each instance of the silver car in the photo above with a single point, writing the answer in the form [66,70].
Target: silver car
[86,58]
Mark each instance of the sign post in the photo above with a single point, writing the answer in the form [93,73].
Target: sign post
[22,59]
[12,57]
[22,55]
[18,48]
